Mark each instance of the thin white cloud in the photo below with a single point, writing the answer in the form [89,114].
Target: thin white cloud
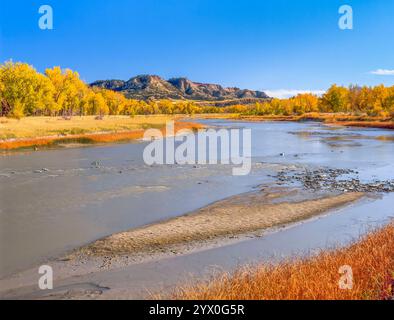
[288,93]
[383,72]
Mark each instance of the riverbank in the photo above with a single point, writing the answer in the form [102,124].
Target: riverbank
[50,132]
[336,119]
[371,260]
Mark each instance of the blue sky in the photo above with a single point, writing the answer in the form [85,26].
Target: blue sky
[257,44]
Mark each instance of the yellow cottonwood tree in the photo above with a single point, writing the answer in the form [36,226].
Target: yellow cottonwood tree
[305,103]
[24,91]
[379,94]
[166,106]
[335,99]
[69,90]
[390,101]
[115,101]
[96,104]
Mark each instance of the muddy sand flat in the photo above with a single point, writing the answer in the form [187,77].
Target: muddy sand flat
[231,217]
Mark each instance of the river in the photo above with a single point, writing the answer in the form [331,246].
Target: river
[56,200]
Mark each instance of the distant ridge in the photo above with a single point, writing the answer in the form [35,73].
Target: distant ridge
[145,87]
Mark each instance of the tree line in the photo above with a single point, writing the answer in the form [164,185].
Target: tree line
[26,92]
[375,101]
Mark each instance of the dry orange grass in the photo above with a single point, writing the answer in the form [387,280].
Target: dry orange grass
[316,278]
[368,124]
[80,138]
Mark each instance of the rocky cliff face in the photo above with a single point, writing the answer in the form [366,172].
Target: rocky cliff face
[153,87]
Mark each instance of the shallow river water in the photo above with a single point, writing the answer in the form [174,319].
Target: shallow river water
[56,200]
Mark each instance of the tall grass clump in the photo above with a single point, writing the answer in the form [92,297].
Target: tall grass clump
[314,278]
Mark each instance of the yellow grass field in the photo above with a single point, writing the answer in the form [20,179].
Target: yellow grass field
[35,127]
[44,131]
